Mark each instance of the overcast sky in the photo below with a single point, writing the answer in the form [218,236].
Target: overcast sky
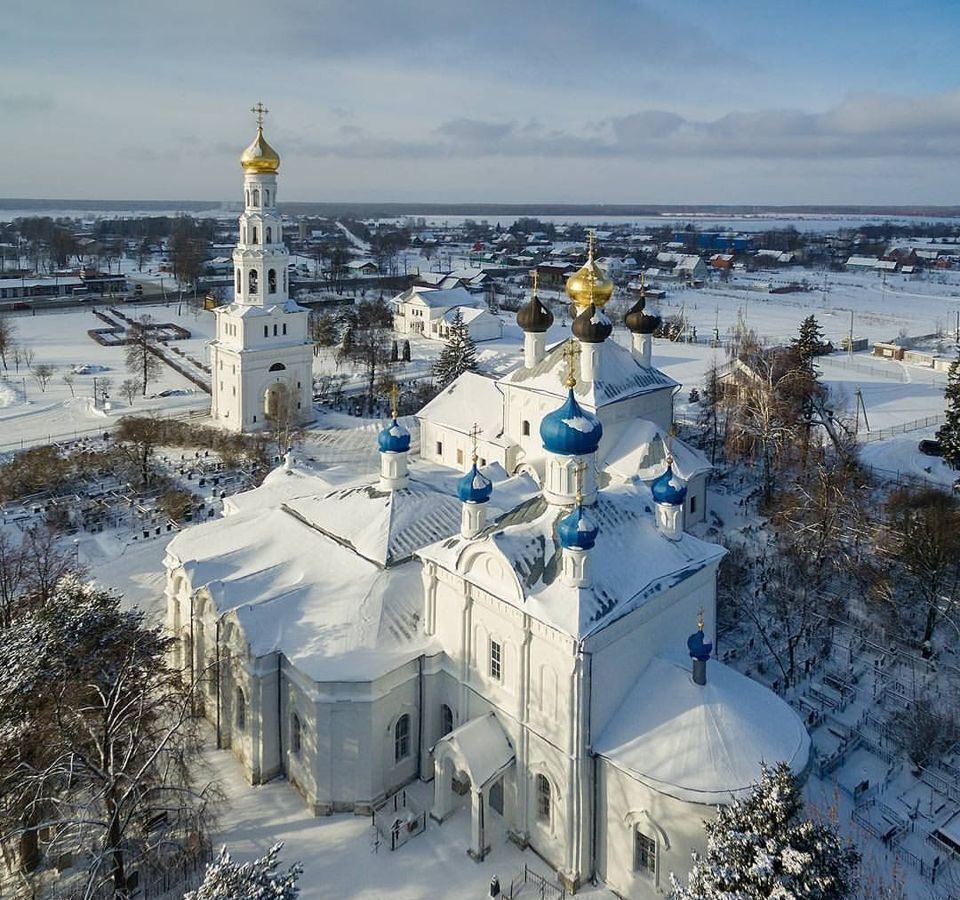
[615,101]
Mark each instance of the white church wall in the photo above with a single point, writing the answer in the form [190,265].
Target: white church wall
[448,447]
[696,504]
[628,806]
[622,650]
[656,406]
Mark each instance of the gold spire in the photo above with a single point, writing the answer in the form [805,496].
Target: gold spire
[589,284]
[260,158]
[578,471]
[571,352]
[394,397]
[474,436]
[700,620]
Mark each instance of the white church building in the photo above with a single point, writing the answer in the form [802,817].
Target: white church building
[507,613]
[261,362]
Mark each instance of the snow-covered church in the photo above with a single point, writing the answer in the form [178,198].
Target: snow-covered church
[507,613]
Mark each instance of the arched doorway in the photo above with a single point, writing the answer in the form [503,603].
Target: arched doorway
[276,401]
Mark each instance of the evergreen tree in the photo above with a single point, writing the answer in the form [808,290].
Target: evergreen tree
[761,847]
[405,351]
[256,880]
[809,343]
[950,432]
[458,356]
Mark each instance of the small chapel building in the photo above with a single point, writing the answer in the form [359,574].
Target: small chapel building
[506,613]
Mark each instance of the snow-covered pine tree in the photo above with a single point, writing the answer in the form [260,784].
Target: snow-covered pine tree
[255,880]
[761,846]
[459,355]
[950,431]
[809,342]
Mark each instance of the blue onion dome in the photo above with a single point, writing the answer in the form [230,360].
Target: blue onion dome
[669,488]
[570,430]
[394,438]
[700,648]
[592,326]
[638,321]
[474,487]
[576,531]
[534,317]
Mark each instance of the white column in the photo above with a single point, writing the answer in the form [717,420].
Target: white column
[591,356]
[641,347]
[575,567]
[534,348]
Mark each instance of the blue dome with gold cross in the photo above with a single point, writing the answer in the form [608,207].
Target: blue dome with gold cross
[571,430]
[394,438]
[576,530]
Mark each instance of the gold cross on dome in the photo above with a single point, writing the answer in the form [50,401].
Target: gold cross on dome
[394,397]
[259,111]
[578,472]
[534,280]
[700,620]
[571,352]
[474,434]
[591,242]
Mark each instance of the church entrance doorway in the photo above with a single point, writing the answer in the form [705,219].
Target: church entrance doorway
[496,796]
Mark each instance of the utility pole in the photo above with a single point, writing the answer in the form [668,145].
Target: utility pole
[850,339]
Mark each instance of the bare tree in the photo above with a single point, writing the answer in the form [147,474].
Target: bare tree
[367,327]
[42,373]
[7,339]
[281,414]
[129,389]
[13,576]
[137,438]
[142,361]
[22,356]
[69,379]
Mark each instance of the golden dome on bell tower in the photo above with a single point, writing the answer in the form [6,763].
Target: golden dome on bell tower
[589,284]
[260,158]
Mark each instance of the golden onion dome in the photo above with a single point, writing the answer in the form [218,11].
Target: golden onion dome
[260,158]
[589,284]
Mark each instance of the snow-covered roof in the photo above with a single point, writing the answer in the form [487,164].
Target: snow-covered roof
[470,399]
[483,748]
[621,377]
[252,310]
[384,527]
[280,485]
[333,614]
[469,314]
[641,452]
[443,299]
[518,559]
[701,743]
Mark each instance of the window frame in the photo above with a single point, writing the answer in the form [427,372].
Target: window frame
[543,792]
[401,739]
[647,846]
[495,660]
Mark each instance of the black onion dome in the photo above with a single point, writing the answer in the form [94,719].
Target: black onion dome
[534,317]
[592,326]
[640,322]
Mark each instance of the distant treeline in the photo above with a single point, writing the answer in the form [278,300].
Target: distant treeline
[391,209]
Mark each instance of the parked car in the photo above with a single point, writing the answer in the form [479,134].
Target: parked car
[930,448]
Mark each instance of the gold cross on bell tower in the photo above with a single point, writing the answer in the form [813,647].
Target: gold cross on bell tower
[474,434]
[571,352]
[259,111]
[394,398]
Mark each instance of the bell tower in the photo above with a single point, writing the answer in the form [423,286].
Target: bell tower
[261,358]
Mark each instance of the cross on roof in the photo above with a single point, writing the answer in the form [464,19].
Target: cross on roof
[394,397]
[474,434]
[570,353]
[700,620]
[534,280]
[259,111]
[591,242]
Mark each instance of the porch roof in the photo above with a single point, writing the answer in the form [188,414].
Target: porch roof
[482,749]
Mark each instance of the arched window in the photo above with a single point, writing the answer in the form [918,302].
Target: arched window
[446,719]
[274,330]
[266,197]
[295,734]
[266,331]
[284,327]
[253,281]
[401,738]
[256,197]
[277,367]
[544,799]
[526,428]
[271,280]
[239,282]
[254,235]
[284,279]
[241,710]
[644,852]
[269,235]
[248,198]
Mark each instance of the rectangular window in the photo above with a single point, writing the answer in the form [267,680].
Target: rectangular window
[693,504]
[644,853]
[439,448]
[459,457]
[496,660]
[266,331]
